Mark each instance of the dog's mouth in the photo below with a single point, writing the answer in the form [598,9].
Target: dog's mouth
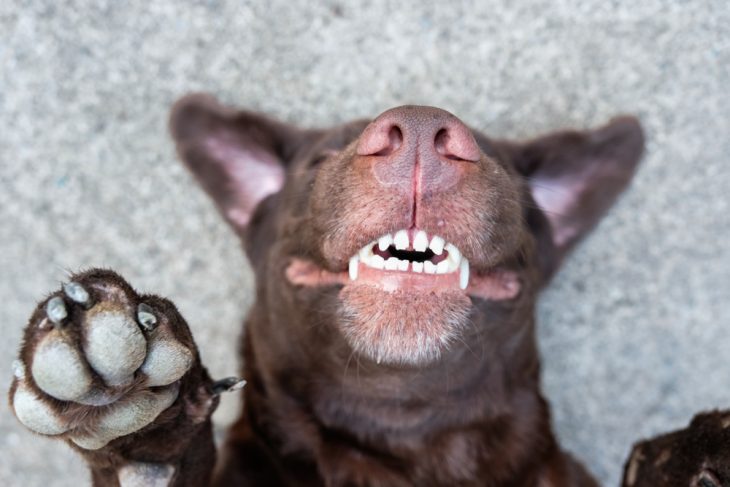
[405,296]
[414,252]
[410,260]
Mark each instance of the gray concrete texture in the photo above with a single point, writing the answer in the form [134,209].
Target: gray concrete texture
[634,330]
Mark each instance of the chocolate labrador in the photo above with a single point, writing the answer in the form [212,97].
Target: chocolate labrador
[697,456]
[392,338]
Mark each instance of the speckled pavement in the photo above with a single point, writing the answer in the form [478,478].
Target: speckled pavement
[634,330]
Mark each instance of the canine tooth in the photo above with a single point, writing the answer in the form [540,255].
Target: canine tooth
[429,267]
[366,252]
[377,262]
[417,267]
[443,267]
[420,241]
[385,241]
[400,239]
[391,264]
[56,310]
[454,253]
[437,245]
[403,265]
[352,268]
[464,273]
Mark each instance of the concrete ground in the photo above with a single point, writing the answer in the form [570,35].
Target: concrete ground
[634,330]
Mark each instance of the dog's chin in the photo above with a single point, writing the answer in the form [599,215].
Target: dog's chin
[402,326]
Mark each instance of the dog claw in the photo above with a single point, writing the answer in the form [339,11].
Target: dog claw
[56,310]
[18,369]
[76,293]
[229,384]
[146,317]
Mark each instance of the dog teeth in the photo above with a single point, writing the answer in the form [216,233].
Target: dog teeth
[353,267]
[437,245]
[391,264]
[400,240]
[454,254]
[377,262]
[371,256]
[464,273]
[384,242]
[420,241]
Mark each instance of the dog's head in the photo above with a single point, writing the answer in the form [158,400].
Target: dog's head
[399,231]
[697,456]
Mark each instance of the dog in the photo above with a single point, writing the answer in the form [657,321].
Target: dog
[392,338]
[696,456]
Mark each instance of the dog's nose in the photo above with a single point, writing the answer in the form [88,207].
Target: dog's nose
[435,131]
[430,141]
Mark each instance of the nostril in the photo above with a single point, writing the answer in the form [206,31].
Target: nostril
[455,145]
[380,138]
[441,142]
[395,140]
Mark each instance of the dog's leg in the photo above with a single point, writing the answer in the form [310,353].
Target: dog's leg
[118,377]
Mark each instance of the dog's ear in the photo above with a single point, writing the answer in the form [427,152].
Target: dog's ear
[574,178]
[238,157]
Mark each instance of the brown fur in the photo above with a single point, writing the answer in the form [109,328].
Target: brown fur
[319,413]
[320,407]
[181,435]
[697,456]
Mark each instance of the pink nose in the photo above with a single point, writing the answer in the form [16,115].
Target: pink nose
[418,151]
[423,131]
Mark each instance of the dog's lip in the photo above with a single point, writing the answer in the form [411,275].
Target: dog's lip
[496,284]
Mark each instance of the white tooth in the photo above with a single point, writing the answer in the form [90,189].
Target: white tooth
[366,252]
[443,267]
[454,253]
[354,263]
[429,267]
[437,245]
[377,262]
[400,239]
[384,242]
[403,265]
[417,267]
[391,264]
[420,241]
[464,273]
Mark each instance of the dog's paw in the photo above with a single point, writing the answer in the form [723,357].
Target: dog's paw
[99,362]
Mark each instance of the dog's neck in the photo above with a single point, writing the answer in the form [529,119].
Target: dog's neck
[332,406]
[479,377]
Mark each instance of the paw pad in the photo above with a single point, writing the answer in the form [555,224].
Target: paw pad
[108,366]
